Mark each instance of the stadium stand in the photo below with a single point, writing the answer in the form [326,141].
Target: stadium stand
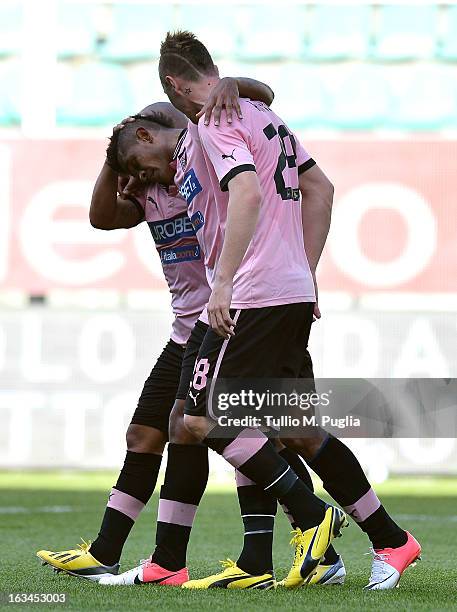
[350,66]
[339,32]
[76,30]
[306,103]
[218,28]
[136,32]
[359,98]
[93,93]
[426,99]
[10,26]
[447,49]
[144,85]
[405,32]
[9,92]
[266,33]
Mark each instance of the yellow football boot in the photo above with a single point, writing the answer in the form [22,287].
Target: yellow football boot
[327,574]
[232,577]
[311,545]
[77,562]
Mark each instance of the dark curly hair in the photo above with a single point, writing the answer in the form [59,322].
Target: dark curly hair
[120,140]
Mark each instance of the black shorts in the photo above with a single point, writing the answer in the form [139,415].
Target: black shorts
[268,343]
[306,370]
[159,391]
[188,363]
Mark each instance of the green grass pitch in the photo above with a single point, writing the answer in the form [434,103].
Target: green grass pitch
[52,510]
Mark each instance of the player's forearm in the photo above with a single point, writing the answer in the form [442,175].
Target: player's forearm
[316,217]
[256,90]
[103,206]
[242,216]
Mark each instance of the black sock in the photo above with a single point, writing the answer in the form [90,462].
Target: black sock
[265,467]
[132,491]
[382,530]
[185,482]
[258,511]
[345,480]
[299,467]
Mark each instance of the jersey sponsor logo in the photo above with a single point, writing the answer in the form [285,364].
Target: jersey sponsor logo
[197,220]
[167,231]
[174,255]
[231,156]
[190,186]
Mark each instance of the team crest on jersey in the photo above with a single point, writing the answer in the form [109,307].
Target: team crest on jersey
[182,158]
[197,220]
[190,186]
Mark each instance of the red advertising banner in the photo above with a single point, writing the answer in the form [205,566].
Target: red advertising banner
[394,223]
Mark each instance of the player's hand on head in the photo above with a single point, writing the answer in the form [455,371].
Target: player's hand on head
[122,124]
[219,310]
[129,186]
[122,182]
[225,96]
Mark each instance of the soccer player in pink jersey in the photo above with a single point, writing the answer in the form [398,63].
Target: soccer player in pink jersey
[185,479]
[175,238]
[165,212]
[262,302]
[184,271]
[174,516]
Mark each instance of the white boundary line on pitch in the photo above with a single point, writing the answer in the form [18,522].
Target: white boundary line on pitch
[38,510]
[452,518]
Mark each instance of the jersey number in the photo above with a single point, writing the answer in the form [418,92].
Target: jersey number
[284,160]
[201,370]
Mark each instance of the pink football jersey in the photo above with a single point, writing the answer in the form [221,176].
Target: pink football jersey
[275,268]
[180,255]
[194,185]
